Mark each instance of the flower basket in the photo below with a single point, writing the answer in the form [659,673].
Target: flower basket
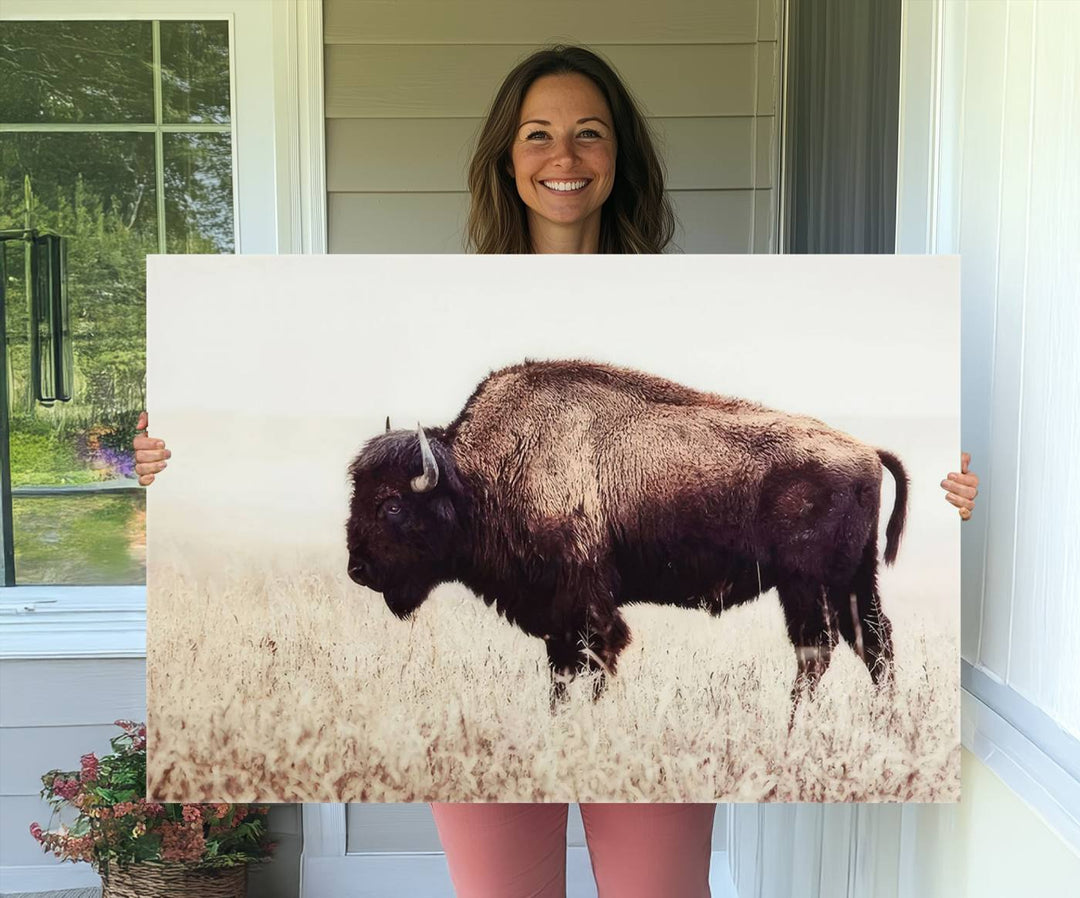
[172,880]
[145,849]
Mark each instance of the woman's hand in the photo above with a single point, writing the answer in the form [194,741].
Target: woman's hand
[961,489]
[150,454]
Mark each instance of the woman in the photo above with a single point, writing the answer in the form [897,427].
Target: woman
[565,164]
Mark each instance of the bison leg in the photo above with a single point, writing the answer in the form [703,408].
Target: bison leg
[862,622]
[562,661]
[810,627]
[594,645]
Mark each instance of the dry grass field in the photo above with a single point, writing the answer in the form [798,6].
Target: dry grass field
[301,686]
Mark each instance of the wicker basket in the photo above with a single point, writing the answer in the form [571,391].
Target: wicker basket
[171,880]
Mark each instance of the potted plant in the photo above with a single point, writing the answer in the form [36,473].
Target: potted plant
[143,848]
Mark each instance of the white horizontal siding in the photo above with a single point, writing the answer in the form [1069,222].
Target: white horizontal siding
[408,81]
[408,84]
[527,22]
[27,755]
[72,693]
[432,154]
[708,221]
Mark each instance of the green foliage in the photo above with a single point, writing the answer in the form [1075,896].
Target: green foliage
[117,825]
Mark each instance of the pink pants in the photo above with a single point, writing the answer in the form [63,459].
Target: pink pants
[519,850]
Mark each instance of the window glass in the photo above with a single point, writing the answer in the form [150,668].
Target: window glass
[195,71]
[198,193]
[61,72]
[117,185]
[82,539]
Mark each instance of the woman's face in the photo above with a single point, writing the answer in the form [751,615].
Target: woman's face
[563,154]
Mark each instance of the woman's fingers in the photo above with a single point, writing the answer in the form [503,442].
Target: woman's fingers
[147,443]
[966,489]
[960,501]
[962,487]
[965,479]
[148,455]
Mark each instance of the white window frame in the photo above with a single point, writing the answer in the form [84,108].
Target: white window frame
[279,195]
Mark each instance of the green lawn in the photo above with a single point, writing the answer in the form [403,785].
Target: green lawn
[82,539]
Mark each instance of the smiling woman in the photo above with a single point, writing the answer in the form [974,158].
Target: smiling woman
[565,163]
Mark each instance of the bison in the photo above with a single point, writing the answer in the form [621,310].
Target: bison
[565,489]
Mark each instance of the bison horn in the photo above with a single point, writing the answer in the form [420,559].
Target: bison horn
[388,424]
[430,477]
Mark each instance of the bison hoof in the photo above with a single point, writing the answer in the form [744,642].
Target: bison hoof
[559,682]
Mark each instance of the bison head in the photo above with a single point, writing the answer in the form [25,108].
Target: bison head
[404,529]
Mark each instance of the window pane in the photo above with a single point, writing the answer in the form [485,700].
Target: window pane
[98,190]
[83,539]
[76,72]
[198,193]
[195,71]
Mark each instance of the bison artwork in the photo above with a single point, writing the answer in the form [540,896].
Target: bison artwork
[566,489]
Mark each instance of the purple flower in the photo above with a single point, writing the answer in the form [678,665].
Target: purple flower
[118,462]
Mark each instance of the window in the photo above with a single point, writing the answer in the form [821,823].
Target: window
[117,135]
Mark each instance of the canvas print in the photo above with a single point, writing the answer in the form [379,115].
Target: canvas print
[509,529]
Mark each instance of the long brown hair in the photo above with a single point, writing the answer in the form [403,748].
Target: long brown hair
[637,216]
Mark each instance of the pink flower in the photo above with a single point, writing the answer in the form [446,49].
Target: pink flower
[192,813]
[181,842]
[35,831]
[65,788]
[89,768]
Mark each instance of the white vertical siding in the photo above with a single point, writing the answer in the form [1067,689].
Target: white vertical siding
[1045,626]
[1010,190]
[1004,193]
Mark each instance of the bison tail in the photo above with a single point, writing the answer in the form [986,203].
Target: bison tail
[895,526]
